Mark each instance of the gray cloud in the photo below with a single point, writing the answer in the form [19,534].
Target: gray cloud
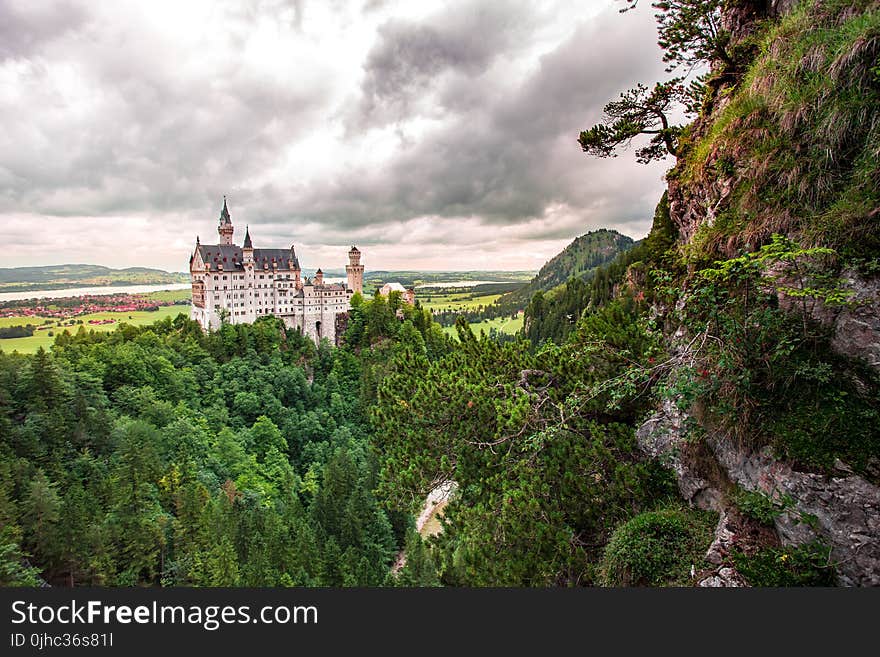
[149,136]
[507,159]
[27,25]
[476,107]
[410,58]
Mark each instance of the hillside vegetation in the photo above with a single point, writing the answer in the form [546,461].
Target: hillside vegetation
[58,276]
[578,260]
[737,344]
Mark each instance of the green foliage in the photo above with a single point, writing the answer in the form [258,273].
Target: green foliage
[419,569]
[801,134]
[544,467]
[760,507]
[692,32]
[580,259]
[806,565]
[16,331]
[658,548]
[14,570]
[639,111]
[163,455]
[553,316]
[763,368]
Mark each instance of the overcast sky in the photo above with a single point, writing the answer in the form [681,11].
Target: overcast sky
[434,135]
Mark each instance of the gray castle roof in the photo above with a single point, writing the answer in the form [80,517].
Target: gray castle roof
[230,256]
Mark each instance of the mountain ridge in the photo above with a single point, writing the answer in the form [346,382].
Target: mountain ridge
[579,259]
[58,276]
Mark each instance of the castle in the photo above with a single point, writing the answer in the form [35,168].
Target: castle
[238,284]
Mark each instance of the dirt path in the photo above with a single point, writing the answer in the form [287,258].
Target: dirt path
[435,502]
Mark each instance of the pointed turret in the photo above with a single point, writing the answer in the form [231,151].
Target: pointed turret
[225,228]
[224,213]
[247,250]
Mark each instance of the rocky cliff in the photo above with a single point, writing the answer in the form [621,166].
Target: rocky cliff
[783,163]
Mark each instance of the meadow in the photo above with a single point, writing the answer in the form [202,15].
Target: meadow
[454,300]
[502,324]
[42,338]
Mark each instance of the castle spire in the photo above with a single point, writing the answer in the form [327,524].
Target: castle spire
[225,228]
[247,238]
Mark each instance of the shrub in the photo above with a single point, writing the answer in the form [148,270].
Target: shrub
[760,507]
[807,565]
[657,548]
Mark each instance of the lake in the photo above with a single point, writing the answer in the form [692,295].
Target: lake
[82,291]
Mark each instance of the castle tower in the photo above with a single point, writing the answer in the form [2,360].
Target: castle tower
[355,270]
[247,251]
[225,228]
[319,277]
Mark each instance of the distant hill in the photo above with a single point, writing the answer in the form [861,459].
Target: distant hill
[50,277]
[578,260]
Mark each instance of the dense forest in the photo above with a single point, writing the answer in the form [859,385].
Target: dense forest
[558,287]
[736,345]
[161,455]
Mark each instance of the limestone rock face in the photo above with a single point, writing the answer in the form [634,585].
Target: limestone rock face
[843,512]
[857,328]
[664,437]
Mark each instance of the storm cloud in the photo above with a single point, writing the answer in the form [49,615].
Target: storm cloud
[440,137]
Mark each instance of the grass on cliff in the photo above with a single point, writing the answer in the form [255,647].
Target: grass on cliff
[799,139]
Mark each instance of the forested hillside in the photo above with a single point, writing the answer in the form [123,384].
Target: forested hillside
[578,260]
[161,455]
[58,276]
[737,346]
[553,315]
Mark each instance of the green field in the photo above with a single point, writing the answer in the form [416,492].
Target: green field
[169,295]
[503,324]
[23,321]
[43,339]
[454,300]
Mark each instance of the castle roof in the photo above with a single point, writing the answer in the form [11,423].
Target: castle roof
[247,238]
[230,256]
[224,214]
[394,287]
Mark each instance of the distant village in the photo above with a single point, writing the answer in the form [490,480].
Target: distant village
[69,307]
